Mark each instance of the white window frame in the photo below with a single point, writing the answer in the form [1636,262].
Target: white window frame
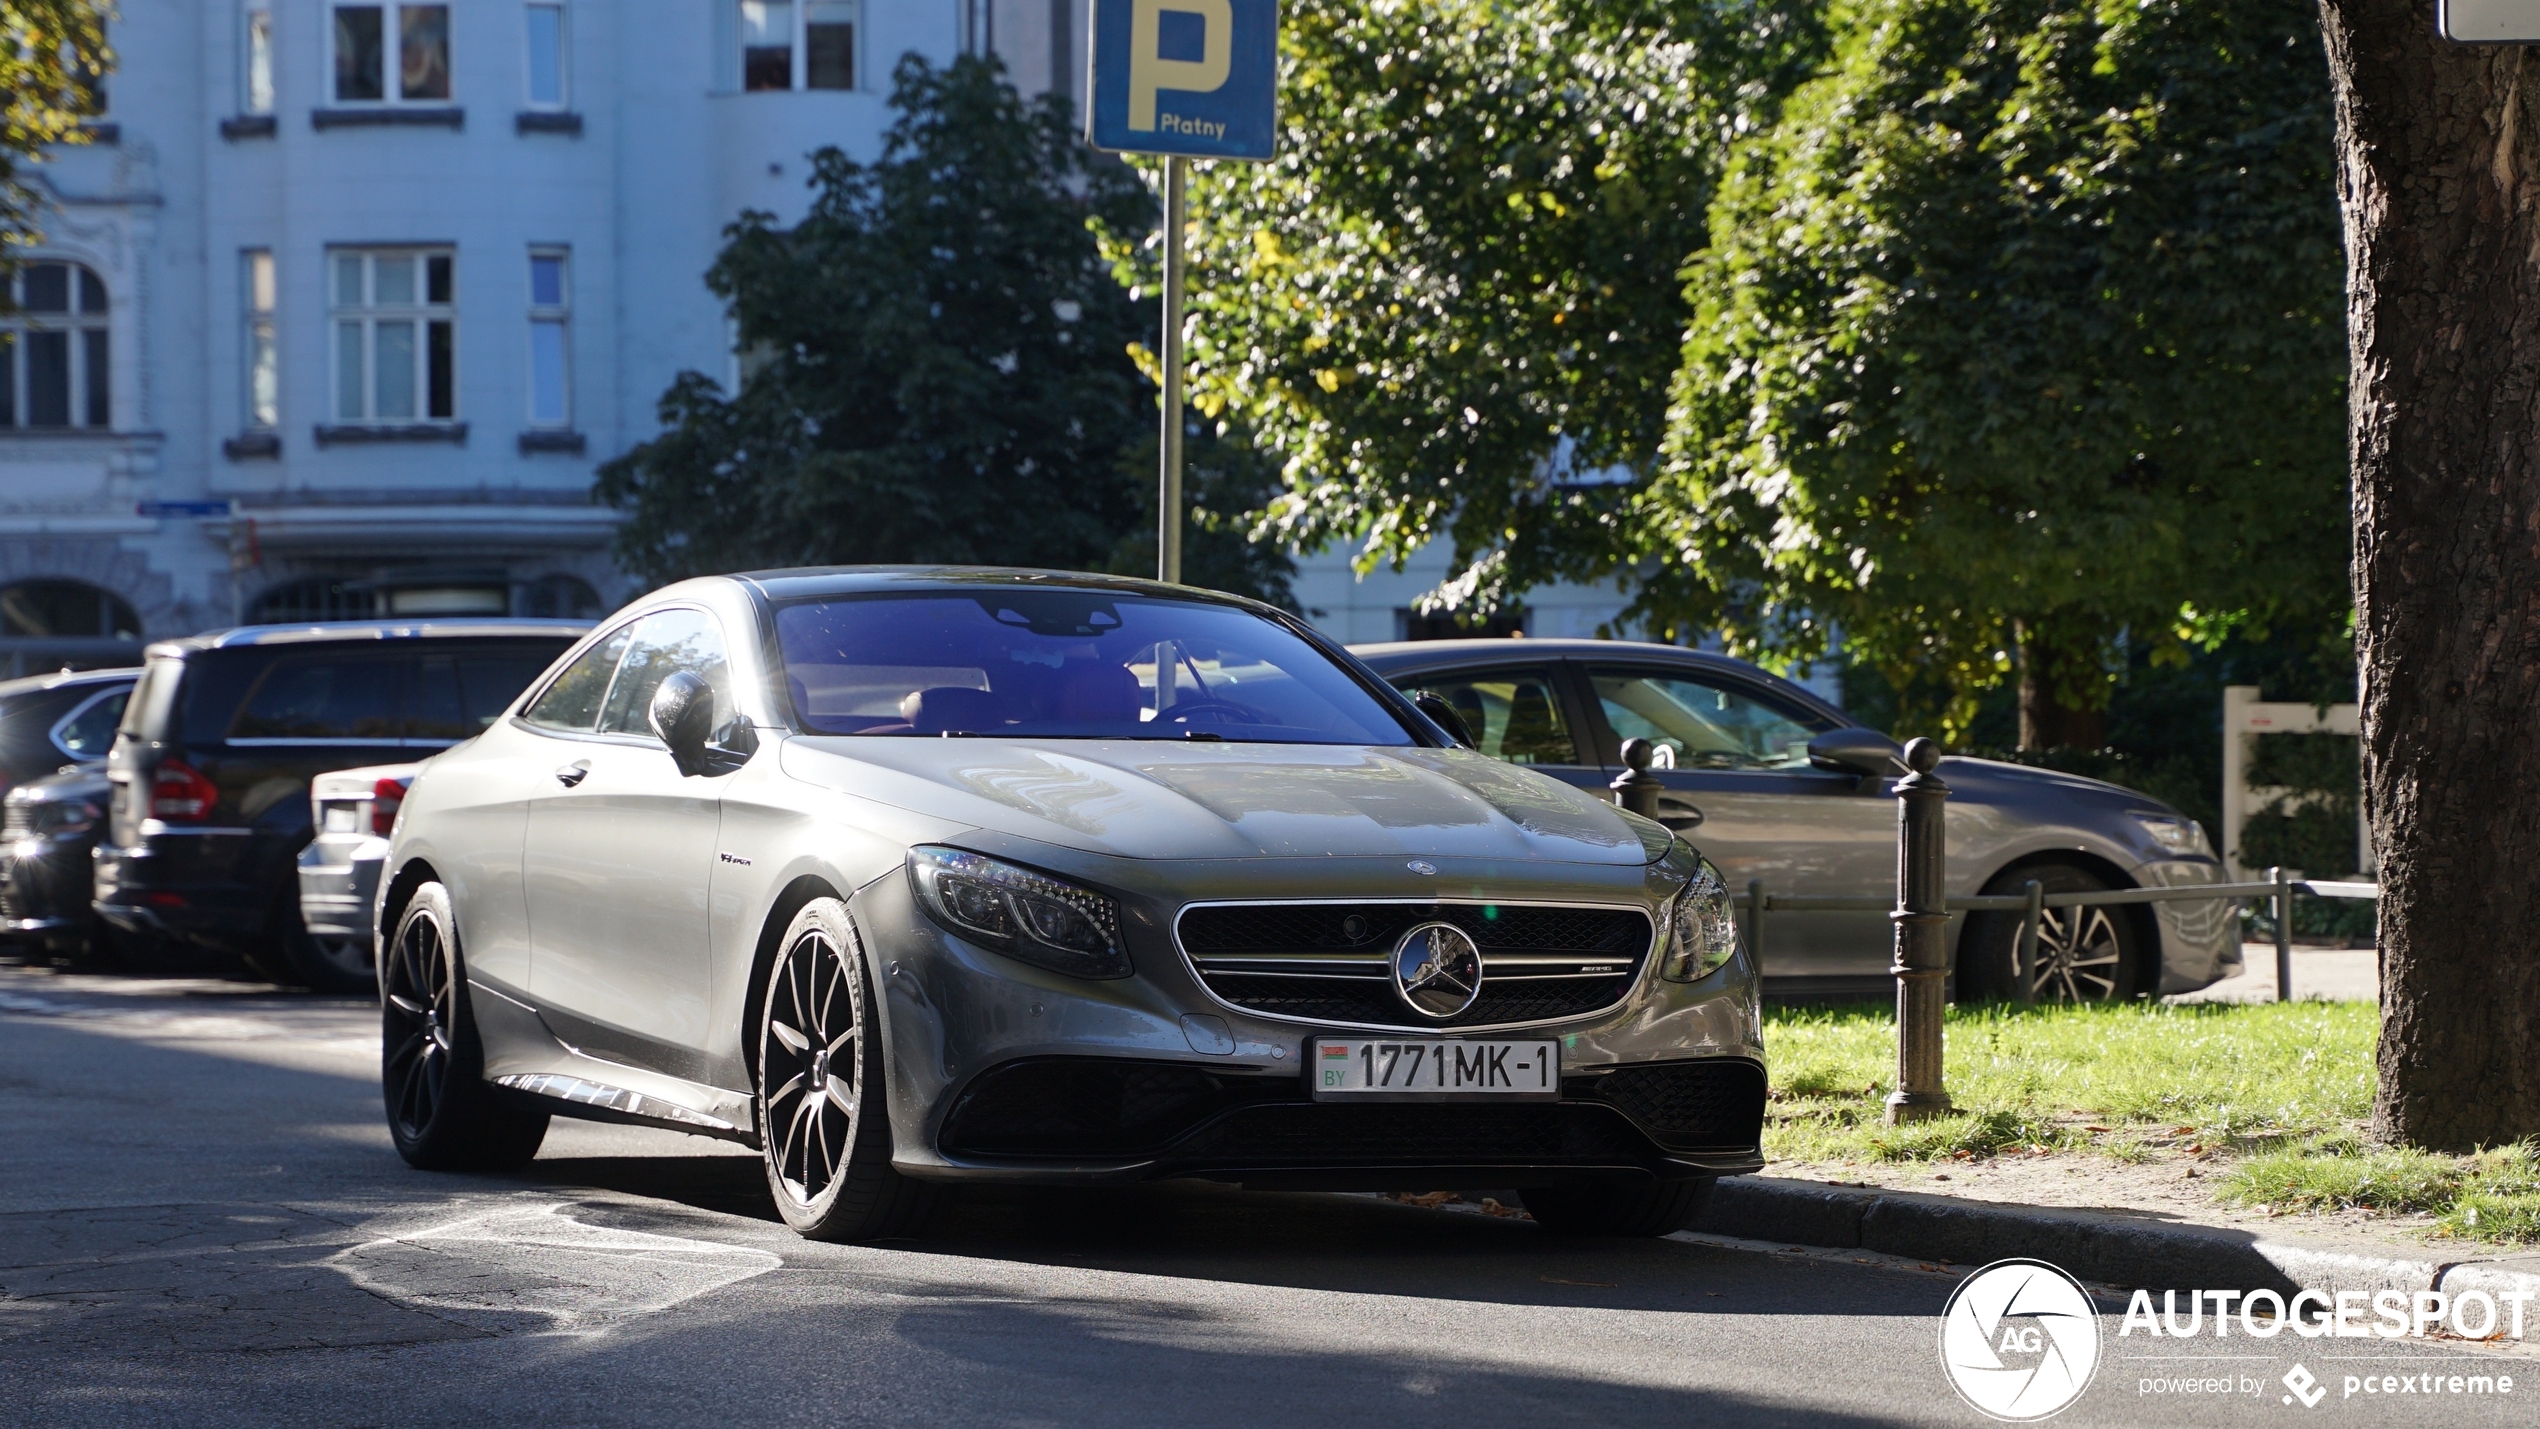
[564,58]
[250,14]
[16,323]
[370,313]
[392,54]
[560,316]
[798,72]
[259,294]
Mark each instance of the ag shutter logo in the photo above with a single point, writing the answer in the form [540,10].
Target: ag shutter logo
[2019,1340]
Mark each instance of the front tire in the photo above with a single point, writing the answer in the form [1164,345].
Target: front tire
[442,1114]
[824,1129]
[1641,1210]
[2083,954]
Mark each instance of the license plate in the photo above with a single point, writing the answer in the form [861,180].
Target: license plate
[1377,1069]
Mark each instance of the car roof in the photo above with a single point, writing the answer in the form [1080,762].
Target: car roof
[1392,657]
[350,631]
[58,678]
[812,582]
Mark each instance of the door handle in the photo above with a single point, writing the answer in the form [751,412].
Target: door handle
[571,774]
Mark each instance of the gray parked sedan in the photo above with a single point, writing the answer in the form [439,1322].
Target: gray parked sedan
[910,877]
[1773,783]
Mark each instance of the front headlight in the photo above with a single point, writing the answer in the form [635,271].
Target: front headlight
[1701,929]
[2178,835]
[1027,916]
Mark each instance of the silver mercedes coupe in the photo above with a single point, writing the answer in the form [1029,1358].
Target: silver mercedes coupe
[917,877]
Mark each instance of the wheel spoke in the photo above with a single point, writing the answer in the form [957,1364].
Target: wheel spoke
[840,1094]
[407,1049]
[405,1004]
[792,1085]
[843,1041]
[794,1041]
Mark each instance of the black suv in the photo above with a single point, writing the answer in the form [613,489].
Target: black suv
[212,763]
[47,723]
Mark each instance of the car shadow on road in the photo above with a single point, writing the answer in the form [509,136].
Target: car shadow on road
[1347,1243]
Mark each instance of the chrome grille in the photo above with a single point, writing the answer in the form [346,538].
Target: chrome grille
[1332,962]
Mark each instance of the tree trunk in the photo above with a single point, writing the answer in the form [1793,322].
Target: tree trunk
[2060,672]
[2439,172]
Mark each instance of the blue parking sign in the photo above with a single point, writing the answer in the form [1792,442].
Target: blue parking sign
[1198,78]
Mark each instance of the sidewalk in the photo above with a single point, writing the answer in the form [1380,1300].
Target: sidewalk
[2328,974]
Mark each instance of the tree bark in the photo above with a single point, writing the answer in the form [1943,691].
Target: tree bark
[2059,668]
[2439,174]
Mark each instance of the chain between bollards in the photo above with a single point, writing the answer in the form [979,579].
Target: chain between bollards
[1922,936]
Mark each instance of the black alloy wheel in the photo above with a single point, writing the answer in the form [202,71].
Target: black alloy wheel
[2083,954]
[823,1126]
[441,1113]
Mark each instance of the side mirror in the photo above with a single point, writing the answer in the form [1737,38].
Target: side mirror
[1444,716]
[682,717]
[1864,752]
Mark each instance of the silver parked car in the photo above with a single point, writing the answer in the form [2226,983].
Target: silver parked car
[1774,784]
[911,877]
[351,812]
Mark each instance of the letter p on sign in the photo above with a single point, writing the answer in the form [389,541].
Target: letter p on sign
[1198,78]
[1150,71]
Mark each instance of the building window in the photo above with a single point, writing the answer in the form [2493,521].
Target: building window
[559,597]
[546,56]
[821,54]
[395,335]
[54,356]
[366,36]
[258,98]
[550,353]
[264,366]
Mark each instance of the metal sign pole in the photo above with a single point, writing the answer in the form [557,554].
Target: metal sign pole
[1168,506]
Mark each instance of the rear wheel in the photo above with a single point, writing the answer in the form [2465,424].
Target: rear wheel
[1643,1209]
[823,1123]
[2083,954]
[325,964]
[441,1113]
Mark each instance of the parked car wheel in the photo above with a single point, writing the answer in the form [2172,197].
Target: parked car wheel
[826,1134]
[1635,1210]
[2083,954]
[324,964]
[441,1113]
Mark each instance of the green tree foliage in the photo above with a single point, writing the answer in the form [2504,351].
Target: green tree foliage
[1466,251]
[2023,326]
[53,56]
[938,353]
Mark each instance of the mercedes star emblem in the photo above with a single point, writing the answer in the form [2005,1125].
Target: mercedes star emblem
[1438,970]
[1422,867]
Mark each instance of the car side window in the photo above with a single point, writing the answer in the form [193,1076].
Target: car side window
[1514,714]
[573,701]
[1700,724]
[666,642]
[90,730]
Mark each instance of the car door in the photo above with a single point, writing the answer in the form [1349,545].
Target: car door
[618,860]
[1739,787]
[1517,712]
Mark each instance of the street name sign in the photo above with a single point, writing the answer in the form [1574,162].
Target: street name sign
[181,508]
[1196,79]
[2489,22]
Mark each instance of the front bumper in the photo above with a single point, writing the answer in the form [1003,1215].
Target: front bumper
[44,890]
[1000,1071]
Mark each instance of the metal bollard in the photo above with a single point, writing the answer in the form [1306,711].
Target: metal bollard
[1636,789]
[2284,879]
[2024,965]
[1922,936]
[1755,923]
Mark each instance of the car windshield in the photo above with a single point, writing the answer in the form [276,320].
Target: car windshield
[1060,664]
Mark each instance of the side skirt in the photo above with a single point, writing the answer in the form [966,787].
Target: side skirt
[525,1057]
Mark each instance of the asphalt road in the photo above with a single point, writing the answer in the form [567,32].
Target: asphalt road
[201,1222]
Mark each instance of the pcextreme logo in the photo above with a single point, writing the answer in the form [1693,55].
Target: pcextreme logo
[2019,1340]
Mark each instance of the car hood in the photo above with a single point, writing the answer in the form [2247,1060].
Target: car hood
[1154,799]
[1973,776]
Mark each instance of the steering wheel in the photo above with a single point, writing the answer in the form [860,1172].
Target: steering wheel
[1232,713]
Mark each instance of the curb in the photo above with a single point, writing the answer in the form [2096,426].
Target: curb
[2112,1249]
